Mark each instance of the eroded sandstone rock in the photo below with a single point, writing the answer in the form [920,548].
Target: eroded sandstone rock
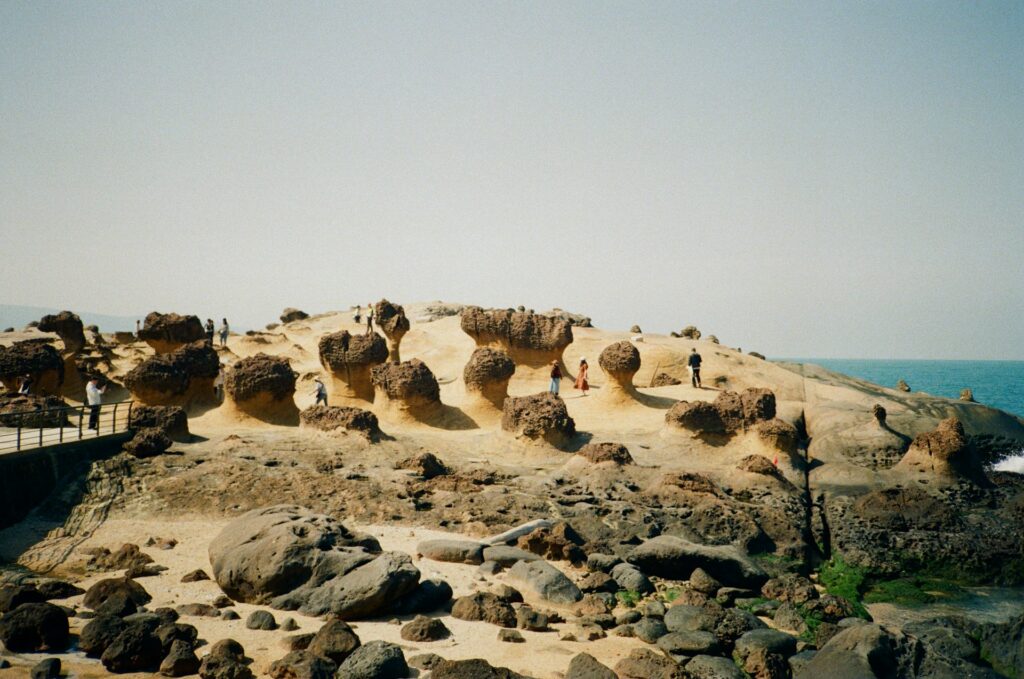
[40,361]
[488,373]
[263,387]
[540,417]
[168,332]
[530,339]
[390,318]
[183,377]
[350,358]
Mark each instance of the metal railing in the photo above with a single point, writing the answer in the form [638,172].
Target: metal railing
[39,428]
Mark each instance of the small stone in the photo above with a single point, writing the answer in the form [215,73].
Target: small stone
[511,636]
[261,620]
[230,615]
[422,628]
[46,669]
[195,576]
[289,625]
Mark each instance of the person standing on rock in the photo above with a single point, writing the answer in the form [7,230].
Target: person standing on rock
[209,331]
[224,330]
[582,382]
[556,378]
[358,315]
[320,392]
[218,384]
[693,363]
[25,388]
[138,327]
[94,398]
[369,318]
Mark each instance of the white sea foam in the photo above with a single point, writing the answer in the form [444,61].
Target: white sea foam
[1013,463]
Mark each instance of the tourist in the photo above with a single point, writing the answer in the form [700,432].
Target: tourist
[556,378]
[582,383]
[218,384]
[357,316]
[94,398]
[224,329]
[693,363]
[209,331]
[369,318]
[320,392]
[137,327]
[25,387]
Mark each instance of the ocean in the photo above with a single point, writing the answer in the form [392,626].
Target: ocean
[999,384]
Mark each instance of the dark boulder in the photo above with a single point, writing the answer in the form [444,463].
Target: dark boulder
[167,332]
[35,627]
[333,418]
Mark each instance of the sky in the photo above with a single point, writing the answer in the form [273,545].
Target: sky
[828,179]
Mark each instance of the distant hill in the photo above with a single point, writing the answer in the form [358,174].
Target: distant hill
[15,316]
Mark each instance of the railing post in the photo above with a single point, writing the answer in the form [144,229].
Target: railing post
[113,424]
[81,414]
[62,416]
[42,421]
[21,416]
[128,422]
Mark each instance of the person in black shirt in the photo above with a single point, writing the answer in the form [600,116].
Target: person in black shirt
[693,363]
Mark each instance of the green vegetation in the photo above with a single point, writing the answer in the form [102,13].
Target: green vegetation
[629,598]
[845,580]
[912,590]
[671,594]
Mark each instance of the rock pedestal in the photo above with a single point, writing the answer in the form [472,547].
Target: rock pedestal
[349,359]
[263,387]
[530,339]
[169,332]
[620,362]
[390,318]
[487,374]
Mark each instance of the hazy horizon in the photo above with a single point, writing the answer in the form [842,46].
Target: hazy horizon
[833,181]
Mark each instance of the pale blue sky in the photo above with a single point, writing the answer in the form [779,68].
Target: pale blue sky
[804,179]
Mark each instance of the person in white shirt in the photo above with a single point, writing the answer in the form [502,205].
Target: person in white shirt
[224,333]
[369,318]
[26,385]
[320,392]
[94,397]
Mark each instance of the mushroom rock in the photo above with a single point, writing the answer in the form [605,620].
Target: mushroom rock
[39,360]
[68,327]
[408,387]
[690,332]
[263,387]
[577,320]
[335,418]
[349,358]
[391,319]
[778,435]
[620,361]
[531,340]
[540,417]
[290,314]
[183,377]
[168,332]
[32,410]
[967,395]
[487,374]
[944,453]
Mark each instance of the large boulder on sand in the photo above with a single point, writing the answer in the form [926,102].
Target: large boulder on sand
[333,418]
[530,339]
[390,318]
[410,387]
[289,558]
[730,413]
[68,327]
[487,374]
[944,453]
[171,420]
[540,417]
[183,377]
[349,359]
[39,360]
[675,558]
[620,362]
[263,387]
[167,332]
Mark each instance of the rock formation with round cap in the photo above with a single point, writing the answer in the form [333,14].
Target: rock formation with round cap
[68,327]
[349,359]
[390,318]
[40,361]
[263,387]
[530,339]
[487,374]
[540,417]
[168,332]
[183,377]
[408,387]
[620,362]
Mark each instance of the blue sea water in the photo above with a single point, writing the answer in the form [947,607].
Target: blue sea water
[999,384]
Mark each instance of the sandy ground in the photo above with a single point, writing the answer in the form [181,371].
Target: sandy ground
[542,655]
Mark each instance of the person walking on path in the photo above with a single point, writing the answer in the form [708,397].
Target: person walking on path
[25,387]
[693,363]
[358,315]
[218,384]
[209,331]
[556,378]
[94,398]
[582,383]
[224,330]
[369,318]
[320,392]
